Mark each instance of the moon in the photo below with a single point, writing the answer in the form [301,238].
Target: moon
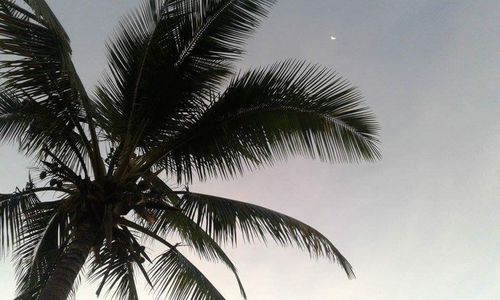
[332,37]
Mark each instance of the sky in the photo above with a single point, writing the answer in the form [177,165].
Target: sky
[421,223]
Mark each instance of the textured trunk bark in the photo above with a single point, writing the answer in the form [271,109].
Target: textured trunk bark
[61,280]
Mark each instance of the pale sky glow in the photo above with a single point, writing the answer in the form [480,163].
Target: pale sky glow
[422,223]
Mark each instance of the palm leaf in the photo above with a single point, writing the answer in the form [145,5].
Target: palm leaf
[212,34]
[223,218]
[169,222]
[269,114]
[115,271]
[176,277]
[35,125]
[12,217]
[140,72]
[39,247]
[34,49]
[175,48]
[36,67]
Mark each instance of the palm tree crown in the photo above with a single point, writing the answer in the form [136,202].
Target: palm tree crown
[160,108]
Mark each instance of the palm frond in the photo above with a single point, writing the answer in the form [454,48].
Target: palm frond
[141,73]
[115,271]
[39,247]
[269,114]
[36,67]
[224,218]
[176,278]
[43,11]
[175,221]
[34,50]
[176,48]
[16,117]
[12,217]
[212,34]
[173,274]
[35,125]
[169,222]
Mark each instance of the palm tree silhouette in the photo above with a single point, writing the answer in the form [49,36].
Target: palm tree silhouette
[170,102]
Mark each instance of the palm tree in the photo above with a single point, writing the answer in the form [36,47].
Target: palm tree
[160,110]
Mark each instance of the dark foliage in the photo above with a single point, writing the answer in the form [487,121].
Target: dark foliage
[161,107]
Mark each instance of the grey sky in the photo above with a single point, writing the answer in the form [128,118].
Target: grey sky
[424,222]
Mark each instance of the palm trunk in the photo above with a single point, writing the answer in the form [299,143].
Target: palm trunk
[61,280]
